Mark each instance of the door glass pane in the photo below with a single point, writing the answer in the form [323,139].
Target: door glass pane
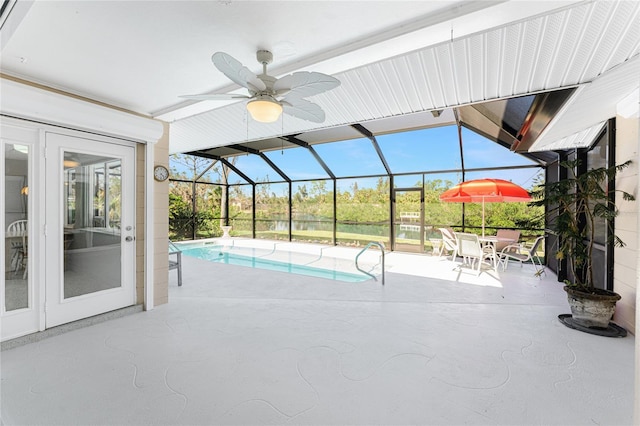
[16,197]
[91,243]
[408,220]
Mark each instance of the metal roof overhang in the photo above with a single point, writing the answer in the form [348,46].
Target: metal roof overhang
[516,123]
[386,125]
[589,47]
[513,123]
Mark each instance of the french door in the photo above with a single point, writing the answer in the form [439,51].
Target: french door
[19,296]
[89,227]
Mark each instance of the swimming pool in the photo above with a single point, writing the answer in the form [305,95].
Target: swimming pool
[273,259]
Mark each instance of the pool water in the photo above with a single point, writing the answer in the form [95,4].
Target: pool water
[222,254]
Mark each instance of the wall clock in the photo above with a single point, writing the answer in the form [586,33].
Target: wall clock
[160,173]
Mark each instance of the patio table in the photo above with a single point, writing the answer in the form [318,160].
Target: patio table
[490,241]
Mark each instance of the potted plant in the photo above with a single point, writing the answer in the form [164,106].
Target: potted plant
[576,206]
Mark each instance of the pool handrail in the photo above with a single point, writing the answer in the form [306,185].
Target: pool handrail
[176,264]
[381,247]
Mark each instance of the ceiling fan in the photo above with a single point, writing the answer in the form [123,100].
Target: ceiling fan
[270,96]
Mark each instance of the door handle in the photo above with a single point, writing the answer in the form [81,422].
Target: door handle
[128,239]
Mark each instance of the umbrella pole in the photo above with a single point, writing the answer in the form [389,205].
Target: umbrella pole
[482,217]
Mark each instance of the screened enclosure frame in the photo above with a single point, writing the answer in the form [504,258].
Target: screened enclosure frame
[295,142]
[512,123]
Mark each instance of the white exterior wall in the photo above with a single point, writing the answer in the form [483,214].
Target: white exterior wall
[627,259]
[33,103]
[626,263]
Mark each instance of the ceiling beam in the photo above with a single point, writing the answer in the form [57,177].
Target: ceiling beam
[263,156]
[205,154]
[365,132]
[209,167]
[303,144]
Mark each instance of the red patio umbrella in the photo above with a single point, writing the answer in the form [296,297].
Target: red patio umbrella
[485,190]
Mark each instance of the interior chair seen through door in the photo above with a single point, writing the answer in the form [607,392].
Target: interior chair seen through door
[17,232]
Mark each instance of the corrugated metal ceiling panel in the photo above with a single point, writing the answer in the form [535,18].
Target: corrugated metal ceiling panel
[567,47]
[416,120]
[580,139]
[330,135]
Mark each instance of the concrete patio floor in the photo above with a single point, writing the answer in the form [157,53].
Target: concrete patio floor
[435,345]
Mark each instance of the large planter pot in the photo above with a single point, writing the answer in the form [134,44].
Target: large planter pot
[592,309]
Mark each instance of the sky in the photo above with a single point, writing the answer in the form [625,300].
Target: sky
[422,150]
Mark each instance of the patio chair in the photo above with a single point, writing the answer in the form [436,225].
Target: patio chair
[507,234]
[177,263]
[521,253]
[449,243]
[470,249]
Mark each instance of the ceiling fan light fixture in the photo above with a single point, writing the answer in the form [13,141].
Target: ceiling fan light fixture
[290,90]
[264,109]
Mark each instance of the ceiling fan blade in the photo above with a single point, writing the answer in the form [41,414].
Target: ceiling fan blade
[302,84]
[303,109]
[237,72]
[215,97]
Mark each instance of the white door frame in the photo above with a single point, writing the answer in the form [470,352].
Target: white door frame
[32,108]
[26,320]
[60,309]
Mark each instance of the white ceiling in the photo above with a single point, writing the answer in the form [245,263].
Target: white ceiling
[393,57]
[141,55]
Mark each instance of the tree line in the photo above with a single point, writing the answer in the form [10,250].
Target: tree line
[358,201]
